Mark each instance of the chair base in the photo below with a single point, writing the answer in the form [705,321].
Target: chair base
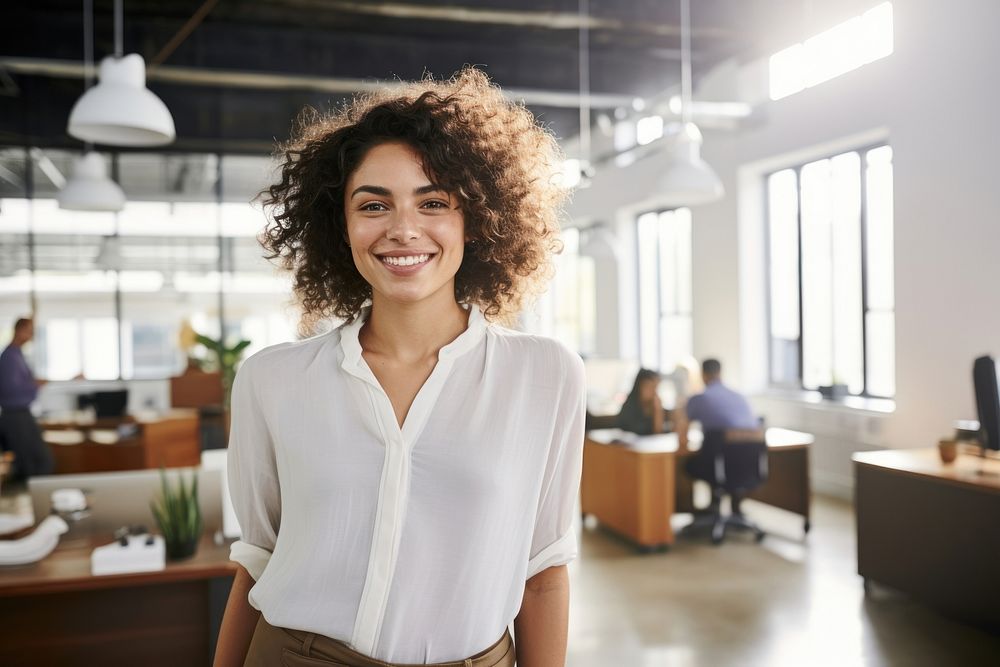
[718,524]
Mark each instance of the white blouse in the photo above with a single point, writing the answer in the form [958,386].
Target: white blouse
[412,545]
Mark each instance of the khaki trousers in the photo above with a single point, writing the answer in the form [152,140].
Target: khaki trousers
[281,647]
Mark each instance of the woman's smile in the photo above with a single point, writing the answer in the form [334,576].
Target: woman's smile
[406,265]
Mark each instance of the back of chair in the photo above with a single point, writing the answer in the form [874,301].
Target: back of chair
[745,454]
[735,460]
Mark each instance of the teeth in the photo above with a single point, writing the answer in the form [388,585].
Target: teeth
[408,260]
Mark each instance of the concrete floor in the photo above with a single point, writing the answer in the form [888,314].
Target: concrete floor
[787,601]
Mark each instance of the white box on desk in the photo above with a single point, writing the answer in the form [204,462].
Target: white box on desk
[138,556]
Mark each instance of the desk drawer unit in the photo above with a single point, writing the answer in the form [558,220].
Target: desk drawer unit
[932,537]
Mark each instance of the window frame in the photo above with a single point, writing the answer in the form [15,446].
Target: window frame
[225,242]
[661,313]
[862,152]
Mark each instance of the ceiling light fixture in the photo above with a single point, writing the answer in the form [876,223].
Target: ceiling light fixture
[120,110]
[688,180]
[88,187]
[584,167]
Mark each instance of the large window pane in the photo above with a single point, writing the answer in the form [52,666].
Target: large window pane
[75,333]
[575,296]
[258,295]
[75,259]
[823,245]
[881,354]
[783,251]
[817,275]
[675,340]
[15,263]
[182,253]
[649,308]
[665,288]
[848,347]
[879,228]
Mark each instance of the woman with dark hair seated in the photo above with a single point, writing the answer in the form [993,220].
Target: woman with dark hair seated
[642,411]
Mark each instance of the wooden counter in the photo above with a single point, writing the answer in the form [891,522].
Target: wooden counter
[56,613]
[80,446]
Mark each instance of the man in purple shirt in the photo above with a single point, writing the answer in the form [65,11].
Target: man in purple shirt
[719,408]
[19,431]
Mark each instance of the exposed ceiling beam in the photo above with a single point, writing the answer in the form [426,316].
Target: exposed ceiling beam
[183,33]
[270,81]
[538,19]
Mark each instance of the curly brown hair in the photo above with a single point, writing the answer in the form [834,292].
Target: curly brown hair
[485,150]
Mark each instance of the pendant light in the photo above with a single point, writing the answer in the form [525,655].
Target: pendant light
[687,180]
[88,187]
[583,9]
[120,110]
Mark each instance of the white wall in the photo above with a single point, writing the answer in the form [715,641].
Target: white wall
[936,100]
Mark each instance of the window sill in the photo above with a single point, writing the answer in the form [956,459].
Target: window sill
[882,406]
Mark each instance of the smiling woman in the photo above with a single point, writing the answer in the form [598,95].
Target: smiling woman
[406,483]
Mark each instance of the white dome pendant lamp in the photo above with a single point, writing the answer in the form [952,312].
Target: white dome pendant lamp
[120,110]
[687,180]
[89,188]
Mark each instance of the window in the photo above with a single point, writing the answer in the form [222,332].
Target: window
[111,293]
[842,48]
[831,273]
[575,301]
[664,264]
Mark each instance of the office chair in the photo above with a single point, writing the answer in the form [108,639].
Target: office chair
[734,463]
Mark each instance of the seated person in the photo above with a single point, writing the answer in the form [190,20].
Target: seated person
[718,408]
[642,412]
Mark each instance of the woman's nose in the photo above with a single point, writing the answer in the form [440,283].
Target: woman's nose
[404,226]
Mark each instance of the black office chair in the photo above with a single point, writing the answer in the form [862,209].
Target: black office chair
[734,463]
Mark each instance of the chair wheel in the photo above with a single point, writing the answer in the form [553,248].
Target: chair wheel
[806,526]
[759,537]
[716,540]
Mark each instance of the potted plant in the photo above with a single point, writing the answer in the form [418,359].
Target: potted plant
[835,390]
[178,515]
[226,359]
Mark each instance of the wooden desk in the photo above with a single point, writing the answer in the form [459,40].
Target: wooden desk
[635,489]
[931,529]
[170,440]
[55,612]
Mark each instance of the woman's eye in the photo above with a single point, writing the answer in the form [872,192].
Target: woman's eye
[374,206]
[435,204]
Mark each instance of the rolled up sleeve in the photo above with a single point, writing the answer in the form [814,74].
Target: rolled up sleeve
[554,539]
[253,476]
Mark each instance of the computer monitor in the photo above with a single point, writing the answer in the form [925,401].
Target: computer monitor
[110,403]
[987,385]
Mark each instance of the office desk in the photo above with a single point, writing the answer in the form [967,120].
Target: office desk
[931,529]
[634,489]
[55,612]
[170,439]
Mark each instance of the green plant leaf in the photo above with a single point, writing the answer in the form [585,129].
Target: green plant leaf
[176,510]
[239,347]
